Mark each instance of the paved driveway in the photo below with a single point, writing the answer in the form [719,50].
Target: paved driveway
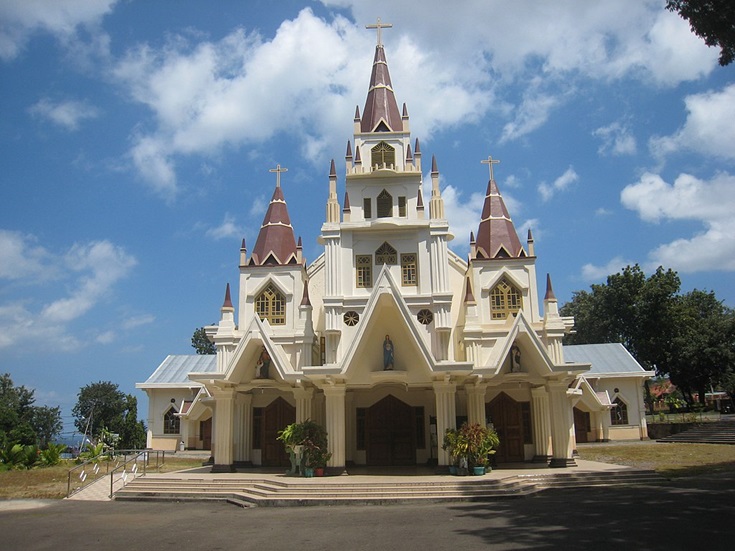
[688,514]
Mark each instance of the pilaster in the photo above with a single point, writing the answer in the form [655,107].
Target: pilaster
[541,424]
[303,398]
[224,413]
[335,402]
[476,403]
[446,414]
[562,425]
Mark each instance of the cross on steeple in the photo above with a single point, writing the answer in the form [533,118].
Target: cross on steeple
[379,26]
[490,161]
[278,171]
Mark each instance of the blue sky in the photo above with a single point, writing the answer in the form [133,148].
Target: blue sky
[136,139]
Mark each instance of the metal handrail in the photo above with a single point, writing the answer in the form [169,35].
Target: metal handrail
[90,471]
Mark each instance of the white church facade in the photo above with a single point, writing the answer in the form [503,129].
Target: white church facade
[389,338]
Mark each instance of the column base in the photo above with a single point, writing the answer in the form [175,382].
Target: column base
[541,459]
[557,462]
[223,468]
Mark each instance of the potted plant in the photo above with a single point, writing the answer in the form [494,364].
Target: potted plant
[480,444]
[320,457]
[453,447]
[306,444]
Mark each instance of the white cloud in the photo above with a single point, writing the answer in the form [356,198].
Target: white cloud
[65,113]
[20,19]
[563,182]
[530,115]
[709,202]
[137,321]
[709,127]
[228,228]
[21,257]
[94,269]
[616,140]
[592,273]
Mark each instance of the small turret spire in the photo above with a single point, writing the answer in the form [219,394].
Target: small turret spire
[228,301]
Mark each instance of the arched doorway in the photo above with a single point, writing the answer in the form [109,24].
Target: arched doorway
[390,435]
[507,417]
[276,416]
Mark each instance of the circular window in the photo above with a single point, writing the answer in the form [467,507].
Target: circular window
[425,317]
[351,318]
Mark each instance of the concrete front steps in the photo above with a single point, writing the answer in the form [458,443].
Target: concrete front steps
[718,432]
[284,492]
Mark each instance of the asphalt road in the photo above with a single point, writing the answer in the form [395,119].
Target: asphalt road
[686,514]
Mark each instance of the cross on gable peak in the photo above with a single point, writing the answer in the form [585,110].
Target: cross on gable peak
[379,26]
[278,170]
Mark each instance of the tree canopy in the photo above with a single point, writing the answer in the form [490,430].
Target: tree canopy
[711,20]
[201,343]
[687,337]
[21,422]
[102,408]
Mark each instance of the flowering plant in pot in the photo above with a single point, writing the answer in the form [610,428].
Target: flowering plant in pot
[306,444]
[480,442]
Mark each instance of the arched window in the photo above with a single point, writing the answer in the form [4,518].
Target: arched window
[385,205]
[171,422]
[386,255]
[505,299]
[383,155]
[619,412]
[271,305]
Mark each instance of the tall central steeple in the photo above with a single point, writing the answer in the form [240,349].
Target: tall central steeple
[381,112]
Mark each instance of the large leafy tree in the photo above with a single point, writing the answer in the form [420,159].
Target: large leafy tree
[704,344]
[201,343]
[21,422]
[630,308]
[690,338]
[102,406]
[711,20]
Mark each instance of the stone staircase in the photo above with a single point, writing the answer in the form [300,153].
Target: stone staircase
[283,492]
[718,432]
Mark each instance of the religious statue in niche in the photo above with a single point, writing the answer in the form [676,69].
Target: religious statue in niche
[388,352]
[261,368]
[515,359]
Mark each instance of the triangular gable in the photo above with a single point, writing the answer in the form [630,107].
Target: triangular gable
[589,397]
[540,360]
[197,407]
[386,285]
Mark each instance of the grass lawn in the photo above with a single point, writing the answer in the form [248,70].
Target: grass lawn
[667,459]
[51,482]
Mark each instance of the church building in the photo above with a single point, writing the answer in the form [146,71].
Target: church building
[389,338]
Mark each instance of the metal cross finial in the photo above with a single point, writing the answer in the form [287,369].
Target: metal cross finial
[379,26]
[278,171]
[490,161]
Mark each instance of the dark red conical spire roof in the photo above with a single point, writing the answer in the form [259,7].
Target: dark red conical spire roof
[381,112]
[276,245]
[497,237]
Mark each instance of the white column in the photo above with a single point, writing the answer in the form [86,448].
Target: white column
[335,396]
[303,403]
[476,403]
[446,414]
[246,437]
[562,425]
[224,412]
[541,424]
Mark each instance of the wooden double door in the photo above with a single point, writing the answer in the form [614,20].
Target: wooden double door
[390,435]
[507,416]
[276,416]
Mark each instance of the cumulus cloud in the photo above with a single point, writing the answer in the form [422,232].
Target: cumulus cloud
[21,257]
[93,270]
[562,183]
[616,138]
[67,114]
[228,228]
[710,202]
[19,20]
[709,128]
[591,273]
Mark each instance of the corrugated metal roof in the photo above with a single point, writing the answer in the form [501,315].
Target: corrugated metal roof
[175,369]
[606,358]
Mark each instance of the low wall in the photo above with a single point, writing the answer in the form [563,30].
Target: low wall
[661,430]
